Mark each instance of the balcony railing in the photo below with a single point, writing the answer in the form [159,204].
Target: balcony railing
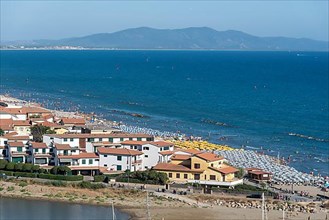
[137,162]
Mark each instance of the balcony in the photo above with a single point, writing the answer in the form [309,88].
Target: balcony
[216,183]
[137,162]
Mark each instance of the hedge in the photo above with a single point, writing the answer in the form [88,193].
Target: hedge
[24,174]
[60,177]
[8,173]
[99,178]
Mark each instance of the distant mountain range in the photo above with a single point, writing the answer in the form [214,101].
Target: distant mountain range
[187,38]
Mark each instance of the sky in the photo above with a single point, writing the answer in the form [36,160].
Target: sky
[28,20]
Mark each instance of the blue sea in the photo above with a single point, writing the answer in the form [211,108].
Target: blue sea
[256,98]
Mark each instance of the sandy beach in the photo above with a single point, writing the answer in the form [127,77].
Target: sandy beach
[134,202]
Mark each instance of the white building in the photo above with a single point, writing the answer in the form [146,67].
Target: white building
[119,159]
[17,152]
[40,154]
[154,151]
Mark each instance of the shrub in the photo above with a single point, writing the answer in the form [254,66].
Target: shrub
[10,166]
[89,185]
[18,166]
[99,178]
[63,170]
[3,164]
[27,167]
[148,176]
[35,168]
[8,173]
[22,184]
[60,177]
[58,183]
[22,174]
[10,188]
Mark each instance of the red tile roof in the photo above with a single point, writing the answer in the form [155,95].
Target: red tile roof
[161,143]
[167,152]
[33,109]
[180,157]
[112,135]
[190,151]
[37,145]
[171,167]
[118,151]
[209,156]
[22,123]
[225,170]
[62,147]
[16,144]
[259,172]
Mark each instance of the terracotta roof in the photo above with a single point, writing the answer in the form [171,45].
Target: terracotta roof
[62,147]
[16,137]
[225,170]
[252,168]
[79,156]
[13,111]
[161,143]
[73,121]
[118,151]
[32,109]
[171,167]
[51,124]
[16,144]
[21,123]
[6,124]
[37,145]
[48,116]
[258,172]
[135,142]
[112,135]
[180,157]
[209,156]
[167,152]
[105,143]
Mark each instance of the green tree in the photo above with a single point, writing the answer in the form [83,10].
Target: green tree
[10,166]
[27,167]
[240,173]
[2,132]
[64,170]
[39,130]
[54,170]
[19,166]
[35,168]
[3,164]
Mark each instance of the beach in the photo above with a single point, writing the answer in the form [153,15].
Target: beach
[133,202]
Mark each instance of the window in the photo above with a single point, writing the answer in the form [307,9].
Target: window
[135,147]
[119,158]
[212,165]
[121,139]
[170,175]
[160,148]
[185,176]
[131,147]
[83,161]
[146,167]
[90,161]
[36,150]
[130,139]
[111,140]
[19,149]
[119,167]
[71,139]
[205,177]
[139,139]
[66,152]
[146,156]
[90,140]
[96,159]
[73,151]
[196,166]
[105,165]
[65,139]
[197,176]
[100,139]
[146,148]
[212,177]
[105,155]
[43,151]
[166,148]
[177,175]
[148,139]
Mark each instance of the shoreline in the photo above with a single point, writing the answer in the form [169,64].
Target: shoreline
[134,204]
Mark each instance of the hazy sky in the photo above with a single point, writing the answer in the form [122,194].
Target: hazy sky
[26,20]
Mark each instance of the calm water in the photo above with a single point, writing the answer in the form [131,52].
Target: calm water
[20,209]
[262,96]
